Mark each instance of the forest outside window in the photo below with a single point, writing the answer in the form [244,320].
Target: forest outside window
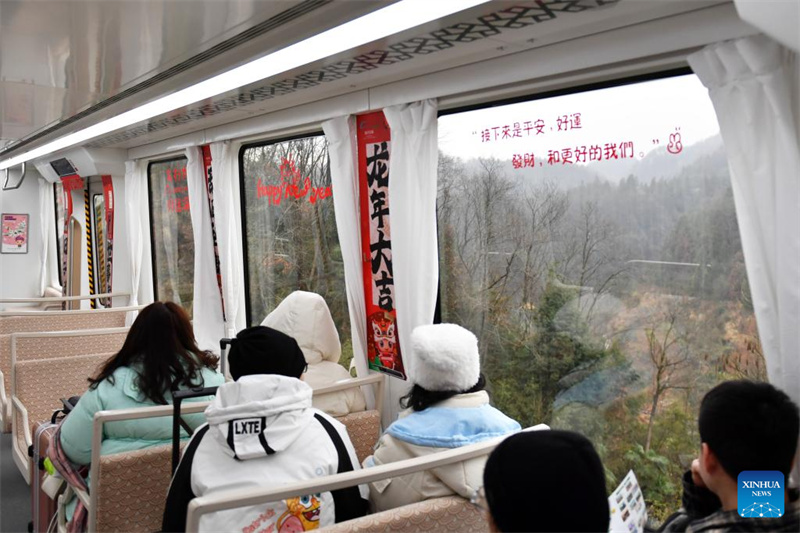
[172,238]
[591,243]
[290,229]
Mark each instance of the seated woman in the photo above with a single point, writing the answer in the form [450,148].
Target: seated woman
[569,491]
[446,408]
[305,317]
[159,355]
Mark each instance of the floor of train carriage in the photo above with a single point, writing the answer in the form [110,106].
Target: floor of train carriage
[15,494]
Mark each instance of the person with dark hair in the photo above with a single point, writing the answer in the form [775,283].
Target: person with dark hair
[447,407]
[159,355]
[560,476]
[263,432]
[744,426]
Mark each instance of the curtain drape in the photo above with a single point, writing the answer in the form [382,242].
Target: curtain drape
[48,276]
[209,326]
[752,82]
[341,135]
[137,218]
[227,208]
[412,192]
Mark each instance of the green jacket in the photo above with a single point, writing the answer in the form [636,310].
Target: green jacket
[125,435]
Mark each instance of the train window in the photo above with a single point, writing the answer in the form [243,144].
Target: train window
[172,237]
[590,240]
[290,229]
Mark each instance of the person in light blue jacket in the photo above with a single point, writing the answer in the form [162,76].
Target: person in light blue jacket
[159,355]
[447,407]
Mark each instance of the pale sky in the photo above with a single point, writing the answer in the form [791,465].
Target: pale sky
[641,113]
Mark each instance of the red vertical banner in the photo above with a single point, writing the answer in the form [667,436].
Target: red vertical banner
[108,197]
[210,193]
[374,146]
[69,184]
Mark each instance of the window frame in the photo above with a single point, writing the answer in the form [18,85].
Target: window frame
[573,89]
[243,205]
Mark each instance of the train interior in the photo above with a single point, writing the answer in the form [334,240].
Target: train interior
[605,192]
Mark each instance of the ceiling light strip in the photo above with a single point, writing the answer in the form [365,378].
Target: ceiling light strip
[379,24]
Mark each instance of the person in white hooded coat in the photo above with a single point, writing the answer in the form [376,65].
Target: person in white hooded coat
[262,432]
[305,317]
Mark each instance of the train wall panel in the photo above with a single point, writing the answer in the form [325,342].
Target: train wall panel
[19,273]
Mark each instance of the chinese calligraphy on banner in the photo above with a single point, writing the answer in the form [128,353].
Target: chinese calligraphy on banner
[209,173]
[374,148]
[108,198]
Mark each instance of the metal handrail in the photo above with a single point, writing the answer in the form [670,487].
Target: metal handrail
[233,499]
[71,311]
[22,175]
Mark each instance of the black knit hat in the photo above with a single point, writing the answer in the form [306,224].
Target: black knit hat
[263,350]
[546,481]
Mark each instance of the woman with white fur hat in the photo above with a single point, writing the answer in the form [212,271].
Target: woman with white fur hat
[447,407]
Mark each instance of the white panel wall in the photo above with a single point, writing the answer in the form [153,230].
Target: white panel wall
[19,273]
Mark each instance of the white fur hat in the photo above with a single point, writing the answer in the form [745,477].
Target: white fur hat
[445,358]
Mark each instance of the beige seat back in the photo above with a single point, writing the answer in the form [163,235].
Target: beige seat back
[37,391]
[52,344]
[40,321]
[128,489]
[133,489]
[364,429]
[451,513]
[22,321]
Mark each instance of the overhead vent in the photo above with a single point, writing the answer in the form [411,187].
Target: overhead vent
[303,8]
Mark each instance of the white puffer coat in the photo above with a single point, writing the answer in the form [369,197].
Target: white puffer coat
[305,317]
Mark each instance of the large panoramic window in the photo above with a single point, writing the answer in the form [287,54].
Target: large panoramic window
[590,241]
[171,227]
[290,229]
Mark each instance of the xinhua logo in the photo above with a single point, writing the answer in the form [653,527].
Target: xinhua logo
[761,494]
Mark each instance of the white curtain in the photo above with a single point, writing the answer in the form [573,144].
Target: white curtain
[209,327]
[48,276]
[228,216]
[412,192]
[341,135]
[752,83]
[137,219]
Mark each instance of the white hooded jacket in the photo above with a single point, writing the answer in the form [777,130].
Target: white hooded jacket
[305,317]
[262,432]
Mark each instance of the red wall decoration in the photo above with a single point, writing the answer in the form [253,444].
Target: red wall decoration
[374,147]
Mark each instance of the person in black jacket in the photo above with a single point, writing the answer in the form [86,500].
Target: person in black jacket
[262,433]
[743,426]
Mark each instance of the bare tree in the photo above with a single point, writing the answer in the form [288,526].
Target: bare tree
[668,354]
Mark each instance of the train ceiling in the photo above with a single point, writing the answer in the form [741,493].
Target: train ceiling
[65,65]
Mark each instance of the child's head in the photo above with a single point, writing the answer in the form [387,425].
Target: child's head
[546,481]
[746,425]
